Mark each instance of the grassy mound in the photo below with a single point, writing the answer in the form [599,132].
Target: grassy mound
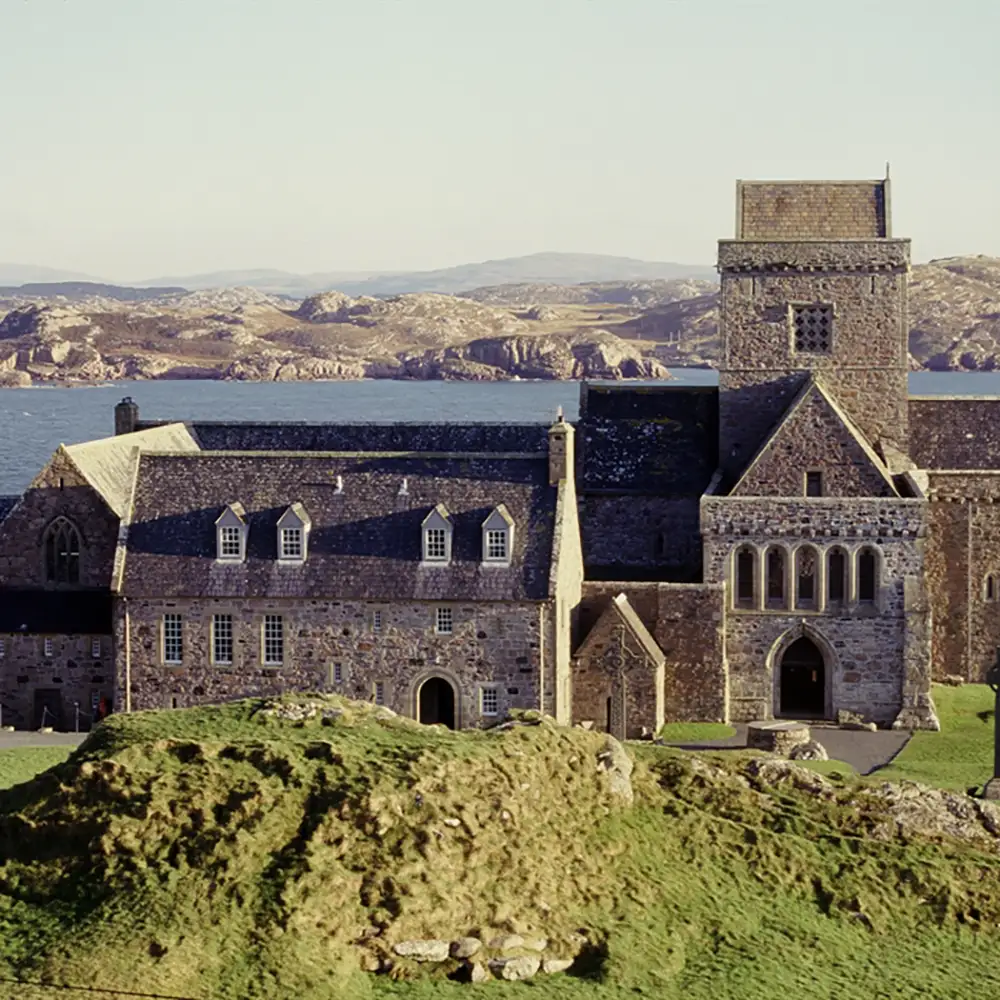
[232,853]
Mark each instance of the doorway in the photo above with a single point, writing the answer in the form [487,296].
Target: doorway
[48,708]
[803,680]
[436,703]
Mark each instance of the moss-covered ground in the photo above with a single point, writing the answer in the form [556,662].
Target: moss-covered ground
[221,853]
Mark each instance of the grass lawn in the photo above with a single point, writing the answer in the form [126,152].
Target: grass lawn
[695,732]
[23,763]
[959,756]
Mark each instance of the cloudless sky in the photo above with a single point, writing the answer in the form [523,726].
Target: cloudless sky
[147,138]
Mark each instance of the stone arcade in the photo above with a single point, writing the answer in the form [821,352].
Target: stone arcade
[803,539]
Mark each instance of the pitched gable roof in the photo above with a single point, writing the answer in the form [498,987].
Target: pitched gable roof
[365,541]
[620,612]
[108,464]
[815,433]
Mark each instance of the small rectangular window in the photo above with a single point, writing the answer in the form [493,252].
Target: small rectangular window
[3,648]
[47,647]
[230,543]
[376,621]
[490,701]
[95,649]
[291,543]
[496,544]
[274,640]
[443,621]
[338,673]
[435,544]
[814,484]
[379,692]
[173,648]
[222,638]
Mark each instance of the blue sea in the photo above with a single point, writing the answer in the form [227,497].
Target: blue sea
[35,421]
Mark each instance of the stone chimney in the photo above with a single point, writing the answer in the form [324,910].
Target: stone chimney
[561,459]
[126,416]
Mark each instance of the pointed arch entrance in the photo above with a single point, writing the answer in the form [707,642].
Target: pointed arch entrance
[436,703]
[802,670]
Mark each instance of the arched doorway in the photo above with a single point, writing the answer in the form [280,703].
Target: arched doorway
[436,703]
[803,680]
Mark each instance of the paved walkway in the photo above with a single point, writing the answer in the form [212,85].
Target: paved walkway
[16,740]
[865,751]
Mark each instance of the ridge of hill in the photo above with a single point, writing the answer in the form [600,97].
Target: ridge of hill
[314,847]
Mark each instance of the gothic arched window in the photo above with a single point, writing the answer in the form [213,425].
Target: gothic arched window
[806,572]
[775,566]
[746,565]
[836,576]
[62,552]
[867,576]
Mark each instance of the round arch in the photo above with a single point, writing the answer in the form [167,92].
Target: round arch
[824,649]
[427,687]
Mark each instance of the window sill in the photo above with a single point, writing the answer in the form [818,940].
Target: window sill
[500,563]
[435,563]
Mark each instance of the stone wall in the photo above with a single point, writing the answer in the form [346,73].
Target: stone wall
[59,490]
[616,686]
[963,551]
[865,370]
[641,537]
[864,644]
[71,673]
[686,620]
[493,644]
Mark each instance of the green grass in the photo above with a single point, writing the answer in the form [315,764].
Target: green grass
[216,853]
[23,763]
[961,755]
[695,732]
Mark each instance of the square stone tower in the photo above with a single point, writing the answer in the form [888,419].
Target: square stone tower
[812,285]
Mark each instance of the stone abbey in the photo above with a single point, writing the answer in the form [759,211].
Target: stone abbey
[802,539]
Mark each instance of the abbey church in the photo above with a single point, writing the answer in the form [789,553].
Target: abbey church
[802,539]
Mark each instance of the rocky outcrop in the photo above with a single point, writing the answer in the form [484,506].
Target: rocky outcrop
[604,330]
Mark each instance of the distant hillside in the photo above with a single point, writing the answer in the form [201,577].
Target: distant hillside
[18,274]
[632,328]
[538,268]
[79,290]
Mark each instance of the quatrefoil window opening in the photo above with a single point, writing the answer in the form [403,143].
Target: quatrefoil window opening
[812,327]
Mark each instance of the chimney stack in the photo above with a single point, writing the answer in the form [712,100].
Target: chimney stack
[126,416]
[561,458]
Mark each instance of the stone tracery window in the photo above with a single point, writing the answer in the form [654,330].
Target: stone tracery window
[62,552]
[812,328]
[806,572]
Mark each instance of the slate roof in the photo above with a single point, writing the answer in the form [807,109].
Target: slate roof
[955,432]
[55,612]
[109,463]
[368,437]
[621,609]
[648,439]
[365,542]
[7,504]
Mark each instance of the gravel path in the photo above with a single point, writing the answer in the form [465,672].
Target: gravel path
[15,741]
[865,751]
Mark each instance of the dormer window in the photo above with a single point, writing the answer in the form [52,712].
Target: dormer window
[436,543]
[498,537]
[231,534]
[293,534]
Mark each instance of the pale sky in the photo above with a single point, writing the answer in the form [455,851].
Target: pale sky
[145,138]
